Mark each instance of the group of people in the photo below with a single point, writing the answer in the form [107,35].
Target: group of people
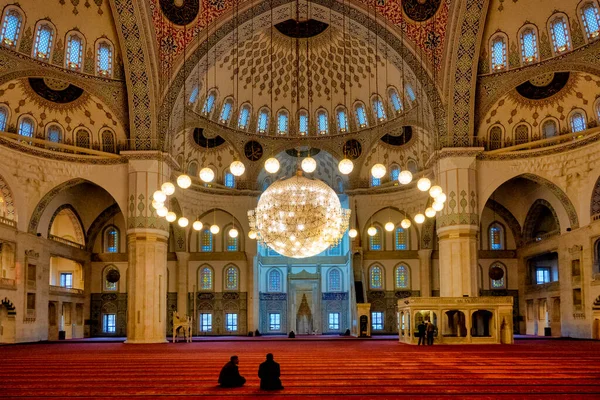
[268,372]
[426,331]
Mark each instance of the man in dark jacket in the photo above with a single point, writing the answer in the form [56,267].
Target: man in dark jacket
[230,375]
[422,335]
[269,373]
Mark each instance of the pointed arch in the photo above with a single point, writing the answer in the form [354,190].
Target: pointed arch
[7,207]
[274,281]
[205,278]
[376,277]
[101,220]
[334,280]
[73,215]
[231,278]
[509,218]
[402,277]
[536,209]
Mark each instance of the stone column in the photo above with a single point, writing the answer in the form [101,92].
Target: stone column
[425,271]
[458,224]
[182,283]
[147,238]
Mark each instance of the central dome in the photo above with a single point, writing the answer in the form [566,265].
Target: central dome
[299,217]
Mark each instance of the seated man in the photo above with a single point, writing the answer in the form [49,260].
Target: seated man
[269,373]
[230,375]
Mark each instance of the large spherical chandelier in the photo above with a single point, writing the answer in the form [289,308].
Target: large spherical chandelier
[299,217]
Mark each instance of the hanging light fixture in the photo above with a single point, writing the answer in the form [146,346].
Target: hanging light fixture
[441,198]
[183,222]
[184,181]
[353,233]
[252,234]
[429,212]
[378,171]
[437,206]
[233,233]
[197,225]
[157,204]
[214,229]
[237,168]
[405,177]
[171,216]
[162,212]
[159,196]
[207,174]
[167,188]
[309,165]
[423,184]
[272,165]
[419,218]
[435,191]
[389,226]
[405,223]
[346,166]
[372,231]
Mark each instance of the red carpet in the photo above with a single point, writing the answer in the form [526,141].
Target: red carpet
[545,369]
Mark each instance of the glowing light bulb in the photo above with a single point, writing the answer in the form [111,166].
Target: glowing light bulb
[424,184]
[197,225]
[437,206]
[309,165]
[184,181]
[171,216]
[435,191]
[167,188]
[352,233]
[252,235]
[162,212]
[207,174]
[405,223]
[237,168]
[405,177]
[429,212]
[233,233]
[157,204]
[441,198]
[389,226]
[378,171]
[183,222]
[372,231]
[159,196]
[214,229]
[346,166]
[419,218]
[272,165]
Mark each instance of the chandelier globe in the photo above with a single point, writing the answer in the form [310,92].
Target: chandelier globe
[207,174]
[252,235]
[197,225]
[171,216]
[429,212]
[353,233]
[183,222]
[233,233]
[346,166]
[237,168]
[272,165]
[162,212]
[435,191]
[309,165]
[378,171]
[405,223]
[372,231]
[423,184]
[167,188]
[441,198]
[159,196]
[419,218]
[184,181]
[157,204]
[405,177]
[214,229]
[437,206]
[389,226]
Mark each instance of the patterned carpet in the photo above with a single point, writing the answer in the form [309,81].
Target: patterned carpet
[380,369]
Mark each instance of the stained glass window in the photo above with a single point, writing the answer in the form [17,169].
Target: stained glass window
[376,277]
[377,320]
[335,280]
[578,122]
[375,181]
[231,322]
[322,122]
[231,278]
[333,321]
[560,35]
[498,53]
[394,173]
[74,56]
[274,280]
[108,142]
[209,103]
[11,28]
[401,277]
[206,241]
[591,20]
[111,240]
[361,116]
[496,237]
[395,100]
[303,123]
[495,138]
[3,118]
[549,129]
[263,121]
[410,93]
[43,42]
[244,117]
[54,134]
[521,134]
[206,278]
[342,120]
[274,321]
[26,127]
[232,243]
[104,59]
[226,111]
[205,322]
[529,45]
[400,239]
[229,180]
[378,109]
[282,122]
[82,139]
[194,95]
[375,241]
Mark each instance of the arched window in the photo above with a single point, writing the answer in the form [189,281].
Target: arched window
[578,123]
[110,286]
[111,240]
[549,129]
[108,142]
[521,134]
[26,127]
[394,172]
[82,138]
[376,241]
[193,168]
[3,118]
[75,46]
[498,53]
[591,19]
[495,138]
[334,280]
[412,166]
[322,122]
[206,278]
[206,241]
[44,37]
[274,281]
[263,121]
[410,93]
[559,31]
[194,94]
[229,179]
[376,277]
[401,277]
[104,59]
[400,239]
[498,283]
[209,103]
[375,181]
[283,122]
[11,27]
[231,243]
[378,109]
[529,47]
[244,118]
[226,111]
[496,235]
[395,100]
[361,115]
[54,134]
[342,120]
[232,278]
[303,122]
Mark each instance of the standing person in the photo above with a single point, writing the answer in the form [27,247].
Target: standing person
[430,330]
[422,333]
[269,373]
[230,375]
